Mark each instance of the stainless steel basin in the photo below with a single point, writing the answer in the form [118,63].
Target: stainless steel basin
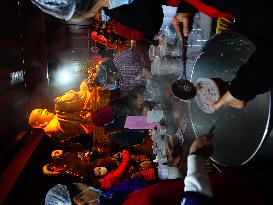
[239,134]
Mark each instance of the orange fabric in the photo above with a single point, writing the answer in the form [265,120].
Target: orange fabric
[97,38]
[101,40]
[98,100]
[208,10]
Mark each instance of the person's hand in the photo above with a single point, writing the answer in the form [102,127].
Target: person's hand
[182,23]
[202,146]
[56,153]
[146,73]
[228,99]
[47,171]
[173,151]
[174,161]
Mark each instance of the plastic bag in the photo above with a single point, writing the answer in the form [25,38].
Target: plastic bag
[152,91]
[166,66]
[62,9]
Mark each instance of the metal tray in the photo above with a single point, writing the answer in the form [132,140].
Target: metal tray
[239,134]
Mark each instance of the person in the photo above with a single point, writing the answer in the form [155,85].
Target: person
[68,9]
[74,163]
[196,183]
[199,187]
[113,188]
[79,193]
[132,19]
[131,167]
[74,159]
[254,77]
[72,193]
[75,113]
[127,70]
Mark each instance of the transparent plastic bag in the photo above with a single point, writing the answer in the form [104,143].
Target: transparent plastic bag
[62,9]
[166,66]
[152,91]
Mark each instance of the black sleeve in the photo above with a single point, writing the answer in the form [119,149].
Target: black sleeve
[185,7]
[145,16]
[256,76]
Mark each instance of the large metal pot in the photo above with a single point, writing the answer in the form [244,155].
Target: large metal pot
[240,135]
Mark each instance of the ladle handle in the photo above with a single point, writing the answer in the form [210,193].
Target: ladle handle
[184,56]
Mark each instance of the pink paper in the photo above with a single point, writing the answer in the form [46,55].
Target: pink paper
[138,122]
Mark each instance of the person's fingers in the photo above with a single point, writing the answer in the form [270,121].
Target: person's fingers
[186,27]
[177,27]
[218,104]
[224,100]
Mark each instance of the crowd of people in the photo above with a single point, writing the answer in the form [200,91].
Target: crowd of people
[140,19]
[119,172]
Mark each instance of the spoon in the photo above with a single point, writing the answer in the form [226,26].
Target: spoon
[182,88]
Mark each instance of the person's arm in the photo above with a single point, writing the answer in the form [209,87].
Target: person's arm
[197,188]
[253,78]
[72,101]
[116,176]
[126,32]
[141,55]
[197,179]
[173,147]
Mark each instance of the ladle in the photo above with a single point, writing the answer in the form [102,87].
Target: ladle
[182,88]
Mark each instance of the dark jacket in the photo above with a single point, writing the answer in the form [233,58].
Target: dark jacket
[145,16]
[256,76]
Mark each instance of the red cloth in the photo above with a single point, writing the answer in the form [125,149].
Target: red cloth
[97,38]
[116,176]
[101,40]
[164,193]
[231,188]
[147,174]
[208,10]
[123,172]
[102,116]
[228,188]
[173,3]
[126,32]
